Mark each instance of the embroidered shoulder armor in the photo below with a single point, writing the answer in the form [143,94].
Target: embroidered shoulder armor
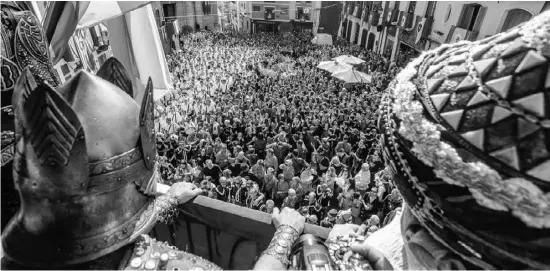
[150,254]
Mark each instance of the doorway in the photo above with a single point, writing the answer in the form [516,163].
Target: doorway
[364,38]
[370,43]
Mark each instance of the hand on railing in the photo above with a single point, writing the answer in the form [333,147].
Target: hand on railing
[289,217]
[184,191]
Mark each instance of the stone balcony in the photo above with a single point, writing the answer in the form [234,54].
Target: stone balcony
[231,236]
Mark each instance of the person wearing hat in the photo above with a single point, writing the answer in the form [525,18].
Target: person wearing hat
[473,175]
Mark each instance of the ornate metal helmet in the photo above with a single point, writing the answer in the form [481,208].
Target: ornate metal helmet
[84,167]
[466,130]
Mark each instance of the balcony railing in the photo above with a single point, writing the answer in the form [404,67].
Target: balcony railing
[228,235]
[302,16]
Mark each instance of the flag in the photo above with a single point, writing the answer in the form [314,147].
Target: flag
[420,29]
[64,17]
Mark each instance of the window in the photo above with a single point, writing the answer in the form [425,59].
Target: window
[430,10]
[169,12]
[469,16]
[357,29]
[65,70]
[300,13]
[396,6]
[412,7]
[256,8]
[515,17]
[269,13]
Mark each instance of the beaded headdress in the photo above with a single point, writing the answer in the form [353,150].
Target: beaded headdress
[466,130]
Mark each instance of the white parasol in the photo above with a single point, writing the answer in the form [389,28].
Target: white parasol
[334,66]
[349,59]
[353,76]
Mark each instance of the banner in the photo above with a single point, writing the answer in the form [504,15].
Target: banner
[64,17]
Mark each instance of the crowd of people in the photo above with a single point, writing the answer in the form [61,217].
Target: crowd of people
[253,122]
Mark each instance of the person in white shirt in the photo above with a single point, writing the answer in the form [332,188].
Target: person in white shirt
[362,179]
[171,127]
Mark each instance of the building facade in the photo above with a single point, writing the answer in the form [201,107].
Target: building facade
[198,15]
[400,30]
[275,16]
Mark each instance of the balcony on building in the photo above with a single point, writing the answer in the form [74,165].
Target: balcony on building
[231,236]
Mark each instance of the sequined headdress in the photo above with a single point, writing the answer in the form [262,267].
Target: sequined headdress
[466,130]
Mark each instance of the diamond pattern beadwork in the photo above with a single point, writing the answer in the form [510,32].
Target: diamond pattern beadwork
[496,100]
